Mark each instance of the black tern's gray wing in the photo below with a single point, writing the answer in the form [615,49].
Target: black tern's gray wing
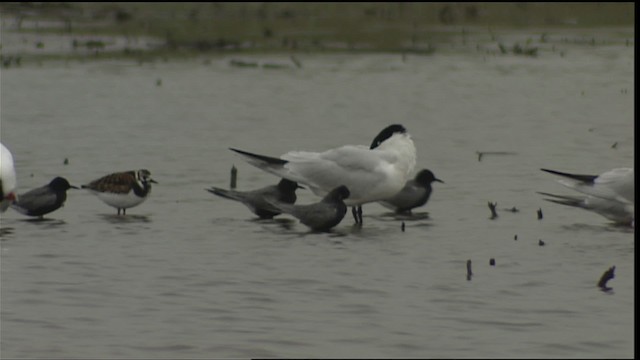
[227,194]
[35,199]
[255,200]
[320,216]
[411,196]
[323,216]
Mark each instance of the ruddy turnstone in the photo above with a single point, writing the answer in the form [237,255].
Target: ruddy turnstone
[45,199]
[122,190]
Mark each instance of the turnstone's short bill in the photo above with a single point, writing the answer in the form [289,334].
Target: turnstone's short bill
[45,199]
[122,190]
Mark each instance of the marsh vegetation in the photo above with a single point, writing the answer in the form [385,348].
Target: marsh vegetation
[171,29]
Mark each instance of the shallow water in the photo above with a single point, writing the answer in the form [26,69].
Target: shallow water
[190,275]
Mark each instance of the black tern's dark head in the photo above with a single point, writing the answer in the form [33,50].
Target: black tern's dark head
[60,184]
[339,193]
[387,133]
[426,177]
[288,185]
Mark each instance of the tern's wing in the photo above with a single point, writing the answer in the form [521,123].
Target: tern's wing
[616,184]
[621,212]
[356,167]
[620,182]
[411,196]
[34,199]
[255,200]
[227,194]
[318,216]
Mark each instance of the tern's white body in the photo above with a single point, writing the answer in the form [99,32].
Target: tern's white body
[8,182]
[369,174]
[610,194]
[614,185]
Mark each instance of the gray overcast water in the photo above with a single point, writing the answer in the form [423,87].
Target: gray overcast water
[190,275]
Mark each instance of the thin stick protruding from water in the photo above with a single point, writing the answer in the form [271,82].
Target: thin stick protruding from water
[234,177]
[492,207]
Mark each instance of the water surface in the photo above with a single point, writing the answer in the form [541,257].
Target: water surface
[190,275]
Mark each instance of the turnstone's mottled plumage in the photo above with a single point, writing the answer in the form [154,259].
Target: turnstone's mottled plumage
[45,199]
[255,200]
[8,181]
[122,190]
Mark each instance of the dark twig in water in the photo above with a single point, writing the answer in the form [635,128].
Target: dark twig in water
[513,209]
[615,145]
[540,214]
[608,275]
[234,177]
[469,272]
[540,242]
[492,207]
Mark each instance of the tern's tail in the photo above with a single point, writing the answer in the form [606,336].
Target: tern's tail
[269,164]
[582,178]
[227,194]
[575,201]
[260,160]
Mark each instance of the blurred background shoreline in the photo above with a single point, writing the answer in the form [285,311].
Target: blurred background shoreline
[146,31]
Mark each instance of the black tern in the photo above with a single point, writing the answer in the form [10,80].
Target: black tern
[415,193]
[320,216]
[255,200]
[45,199]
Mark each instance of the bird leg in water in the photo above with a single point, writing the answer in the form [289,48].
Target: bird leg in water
[357,214]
